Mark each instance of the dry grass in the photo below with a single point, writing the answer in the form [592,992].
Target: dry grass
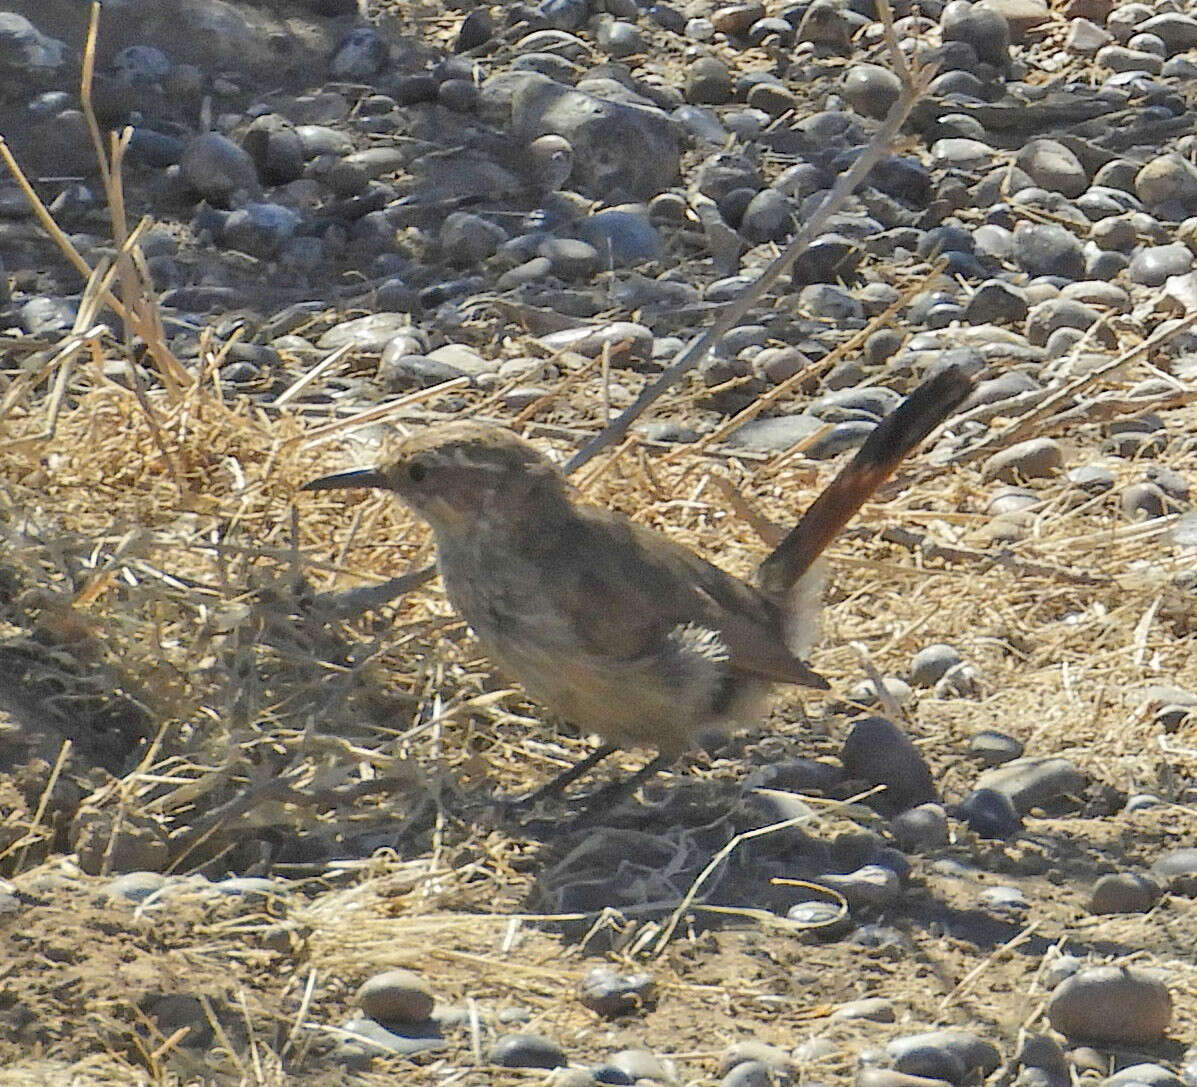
[170,562]
[161,618]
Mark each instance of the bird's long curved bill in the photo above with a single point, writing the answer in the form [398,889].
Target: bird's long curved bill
[357,477]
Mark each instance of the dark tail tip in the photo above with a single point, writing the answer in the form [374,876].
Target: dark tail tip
[895,436]
[904,428]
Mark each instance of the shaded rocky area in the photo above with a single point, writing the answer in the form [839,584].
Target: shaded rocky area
[249,826]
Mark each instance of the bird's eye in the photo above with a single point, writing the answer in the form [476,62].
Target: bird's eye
[416,472]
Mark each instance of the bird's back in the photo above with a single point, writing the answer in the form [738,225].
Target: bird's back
[627,634]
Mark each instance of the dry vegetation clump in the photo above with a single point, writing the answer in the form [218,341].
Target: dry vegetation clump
[188,685]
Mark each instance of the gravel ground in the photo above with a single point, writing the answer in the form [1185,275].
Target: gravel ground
[248,830]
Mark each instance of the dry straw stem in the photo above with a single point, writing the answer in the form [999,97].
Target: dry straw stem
[139,308]
[915,77]
[197,607]
[818,368]
[691,896]
[1031,422]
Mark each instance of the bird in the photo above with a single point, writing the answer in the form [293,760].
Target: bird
[612,625]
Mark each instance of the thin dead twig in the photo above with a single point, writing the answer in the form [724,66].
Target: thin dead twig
[915,78]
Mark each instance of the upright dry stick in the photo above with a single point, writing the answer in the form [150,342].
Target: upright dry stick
[915,78]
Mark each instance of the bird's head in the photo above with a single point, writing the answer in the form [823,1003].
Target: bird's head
[459,475]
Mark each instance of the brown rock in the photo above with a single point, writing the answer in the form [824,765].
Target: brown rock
[735,19]
[1094,10]
[1111,1005]
[1022,16]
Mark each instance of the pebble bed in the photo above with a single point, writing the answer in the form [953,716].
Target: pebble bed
[429,189]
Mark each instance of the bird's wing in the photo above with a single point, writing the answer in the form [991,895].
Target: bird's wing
[635,589]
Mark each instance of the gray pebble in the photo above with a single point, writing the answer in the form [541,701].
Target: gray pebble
[526,1051]
[1153,264]
[25,49]
[773,1057]
[1124,892]
[864,402]
[992,240]
[569,257]
[1053,166]
[1116,232]
[572,1077]
[1168,180]
[370,333]
[1178,871]
[878,752]
[1085,38]
[882,345]
[1045,249]
[749,1074]
[1144,502]
[1151,1075]
[996,302]
[814,1049]
[768,217]
[708,81]
[1042,1051]
[634,340]
[891,1077]
[622,238]
[608,993]
[1118,58]
[982,28]
[928,1062]
[1031,782]
[772,98]
[870,89]
[642,1064]
[924,826]
[1035,458]
[142,64]
[773,435]
[217,169]
[396,996]
[359,55]
[1178,31]
[260,229]
[989,814]
[1056,313]
[994,748]
[1008,501]
[1148,43]
[619,38]
[1111,1005]
[931,662]
[466,238]
[873,1009]
[974,1054]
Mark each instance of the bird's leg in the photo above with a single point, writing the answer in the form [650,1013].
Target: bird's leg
[609,797]
[557,785]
